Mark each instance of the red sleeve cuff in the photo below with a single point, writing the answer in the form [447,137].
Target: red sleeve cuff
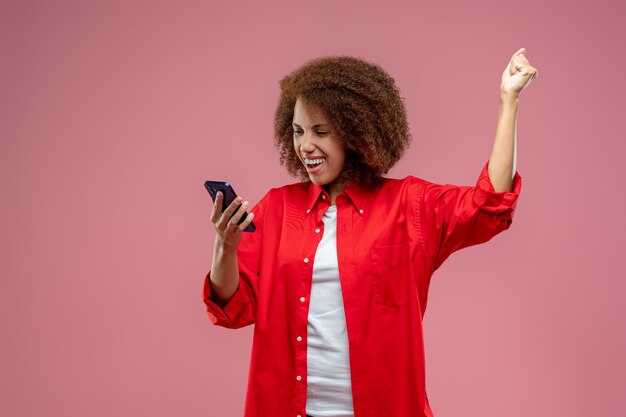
[490,200]
[233,308]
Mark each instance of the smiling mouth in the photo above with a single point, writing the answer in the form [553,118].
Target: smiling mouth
[314,162]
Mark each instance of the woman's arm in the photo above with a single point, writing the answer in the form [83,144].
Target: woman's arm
[502,164]
[224,273]
[224,279]
[231,286]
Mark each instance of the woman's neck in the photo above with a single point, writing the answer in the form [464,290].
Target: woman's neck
[333,191]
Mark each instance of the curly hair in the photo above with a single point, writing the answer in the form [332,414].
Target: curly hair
[360,101]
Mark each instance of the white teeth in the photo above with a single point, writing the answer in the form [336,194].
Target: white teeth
[313,161]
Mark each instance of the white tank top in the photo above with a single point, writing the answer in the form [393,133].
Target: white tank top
[329,389]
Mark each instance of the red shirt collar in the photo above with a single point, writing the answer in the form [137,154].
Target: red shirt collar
[357,195]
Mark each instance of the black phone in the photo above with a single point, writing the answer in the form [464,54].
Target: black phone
[229,196]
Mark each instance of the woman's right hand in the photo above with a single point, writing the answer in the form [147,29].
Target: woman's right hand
[229,233]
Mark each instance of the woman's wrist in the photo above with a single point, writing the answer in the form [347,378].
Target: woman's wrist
[507,97]
[223,248]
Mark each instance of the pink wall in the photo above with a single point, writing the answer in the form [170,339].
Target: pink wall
[113,115]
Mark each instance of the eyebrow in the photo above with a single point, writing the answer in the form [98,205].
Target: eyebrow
[312,127]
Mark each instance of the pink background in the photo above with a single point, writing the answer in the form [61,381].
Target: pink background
[114,113]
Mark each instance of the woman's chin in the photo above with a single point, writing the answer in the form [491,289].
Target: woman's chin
[317,181]
[326,185]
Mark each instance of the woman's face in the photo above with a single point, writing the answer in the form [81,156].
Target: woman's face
[319,148]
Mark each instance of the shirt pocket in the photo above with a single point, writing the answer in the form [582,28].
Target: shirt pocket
[391,276]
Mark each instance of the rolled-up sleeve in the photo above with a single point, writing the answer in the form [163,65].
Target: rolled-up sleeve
[240,309]
[236,313]
[455,217]
[497,202]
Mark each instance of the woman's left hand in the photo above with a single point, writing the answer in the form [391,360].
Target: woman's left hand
[518,74]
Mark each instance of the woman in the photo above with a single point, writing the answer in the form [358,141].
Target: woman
[336,276]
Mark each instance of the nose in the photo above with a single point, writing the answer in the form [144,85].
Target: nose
[306,144]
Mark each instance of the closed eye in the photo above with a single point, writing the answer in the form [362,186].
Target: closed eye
[319,133]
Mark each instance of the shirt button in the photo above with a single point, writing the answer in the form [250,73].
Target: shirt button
[302,299]
[299,338]
[308,211]
[317,230]
[323,197]
[299,378]
[298,415]
[361,211]
[306,260]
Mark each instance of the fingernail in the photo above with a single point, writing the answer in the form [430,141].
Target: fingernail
[245,204]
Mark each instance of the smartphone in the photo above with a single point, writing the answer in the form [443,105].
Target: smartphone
[229,195]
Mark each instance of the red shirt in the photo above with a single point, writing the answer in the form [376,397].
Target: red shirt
[390,240]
